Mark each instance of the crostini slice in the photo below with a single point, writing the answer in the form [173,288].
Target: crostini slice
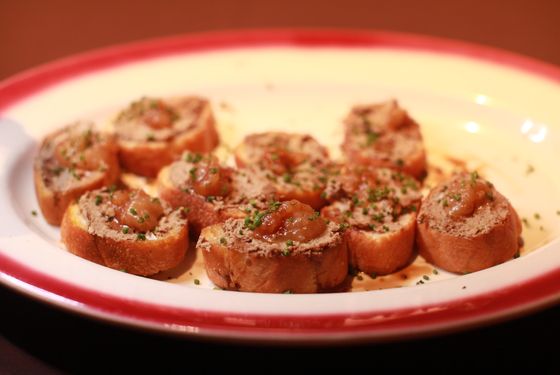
[153,132]
[126,230]
[288,248]
[296,165]
[466,225]
[384,135]
[377,208]
[210,192]
[71,161]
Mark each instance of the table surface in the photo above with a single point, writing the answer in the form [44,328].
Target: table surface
[37,338]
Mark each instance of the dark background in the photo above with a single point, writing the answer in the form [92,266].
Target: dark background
[36,338]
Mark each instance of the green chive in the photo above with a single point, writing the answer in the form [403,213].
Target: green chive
[125,229]
[197,157]
[141,237]
[98,200]
[133,211]
[474,177]
[371,138]
[196,282]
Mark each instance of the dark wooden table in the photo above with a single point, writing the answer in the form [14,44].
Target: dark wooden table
[37,338]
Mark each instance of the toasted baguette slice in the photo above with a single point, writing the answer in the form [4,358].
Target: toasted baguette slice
[89,229]
[188,182]
[384,135]
[296,165]
[151,133]
[465,225]
[70,162]
[377,207]
[236,259]
[380,249]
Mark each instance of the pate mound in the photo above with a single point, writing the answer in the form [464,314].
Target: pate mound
[71,161]
[209,192]
[296,165]
[152,133]
[384,135]
[236,257]
[93,228]
[377,208]
[465,225]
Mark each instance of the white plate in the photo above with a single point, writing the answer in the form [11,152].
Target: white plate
[496,110]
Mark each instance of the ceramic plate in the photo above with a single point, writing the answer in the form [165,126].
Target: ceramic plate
[494,111]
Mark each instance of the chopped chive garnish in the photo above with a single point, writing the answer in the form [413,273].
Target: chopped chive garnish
[474,177]
[141,236]
[196,282]
[98,200]
[125,229]
[133,211]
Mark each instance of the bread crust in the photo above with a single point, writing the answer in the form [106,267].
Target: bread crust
[124,253]
[232,265]
[384,135]
[458,247]
[57,187]
[146,157]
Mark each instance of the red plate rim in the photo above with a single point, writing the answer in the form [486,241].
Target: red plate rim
[406,322]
